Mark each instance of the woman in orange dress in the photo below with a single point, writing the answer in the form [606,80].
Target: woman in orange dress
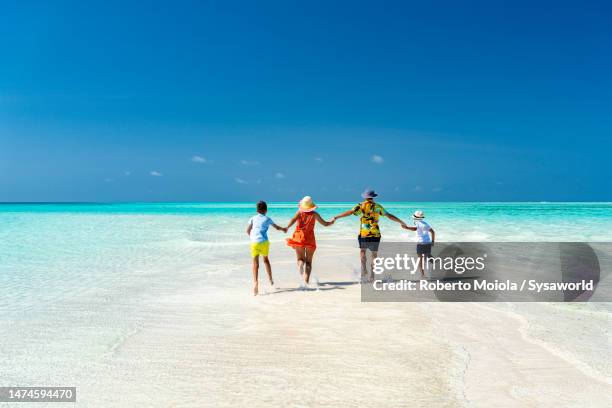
[303,239]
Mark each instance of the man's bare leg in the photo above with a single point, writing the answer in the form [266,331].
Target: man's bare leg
[255,275]
[364,261]
[374,255]
[268,269]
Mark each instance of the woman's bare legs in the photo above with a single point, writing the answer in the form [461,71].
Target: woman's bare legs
[301,259]
[309,252]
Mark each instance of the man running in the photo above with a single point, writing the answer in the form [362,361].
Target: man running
[369,232]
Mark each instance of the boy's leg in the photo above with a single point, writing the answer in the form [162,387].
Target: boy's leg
[421,261]
[420,251]
[309,252]
[268,269]
[255,275]
[425,257]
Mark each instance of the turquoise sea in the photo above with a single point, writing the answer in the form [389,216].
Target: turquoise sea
[48,250]
[45,247]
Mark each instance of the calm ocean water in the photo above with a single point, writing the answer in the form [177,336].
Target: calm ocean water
[49,251]
[224,222]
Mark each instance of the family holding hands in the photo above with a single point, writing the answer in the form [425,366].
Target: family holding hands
[303,238]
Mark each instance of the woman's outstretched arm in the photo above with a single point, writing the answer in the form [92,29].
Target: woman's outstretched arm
[322,221]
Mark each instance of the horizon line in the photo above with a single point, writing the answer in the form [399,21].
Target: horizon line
[288,202]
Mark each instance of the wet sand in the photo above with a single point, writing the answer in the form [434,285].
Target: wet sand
[217,345]
[326,348]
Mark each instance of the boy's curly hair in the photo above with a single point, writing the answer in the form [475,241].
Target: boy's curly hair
[262,207]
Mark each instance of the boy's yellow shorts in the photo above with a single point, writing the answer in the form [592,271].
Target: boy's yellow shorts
[260,248]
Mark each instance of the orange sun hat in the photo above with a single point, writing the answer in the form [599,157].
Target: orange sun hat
[306,204]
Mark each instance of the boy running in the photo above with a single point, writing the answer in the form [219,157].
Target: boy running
[424,241]
[260,245]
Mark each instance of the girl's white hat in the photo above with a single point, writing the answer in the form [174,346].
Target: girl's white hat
[306,204]
[418,215]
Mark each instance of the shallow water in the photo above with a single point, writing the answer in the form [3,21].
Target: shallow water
[48,251]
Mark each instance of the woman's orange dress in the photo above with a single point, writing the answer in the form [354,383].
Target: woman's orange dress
[303,236]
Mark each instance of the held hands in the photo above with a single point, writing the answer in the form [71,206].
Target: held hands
[406,227]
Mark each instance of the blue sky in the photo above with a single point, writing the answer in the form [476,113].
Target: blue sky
[225,101]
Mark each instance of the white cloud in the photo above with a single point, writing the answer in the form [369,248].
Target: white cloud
[279,175]
[127,173]
[249,162]
[417,188]
[239,180]
[198,159]
[108,180]
[377,159]
[318,159]
[155,173]
[397,188]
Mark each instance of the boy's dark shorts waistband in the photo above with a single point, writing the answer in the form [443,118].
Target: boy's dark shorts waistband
[424,249]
